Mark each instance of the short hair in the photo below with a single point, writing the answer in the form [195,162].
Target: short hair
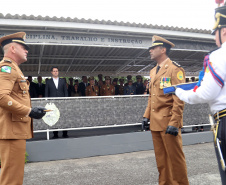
[167,50]
[54,67]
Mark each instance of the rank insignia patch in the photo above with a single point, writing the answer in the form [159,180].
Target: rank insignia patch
[180,75]
[6,69]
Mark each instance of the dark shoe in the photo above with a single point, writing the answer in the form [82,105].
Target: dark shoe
[65,136]
[55,137]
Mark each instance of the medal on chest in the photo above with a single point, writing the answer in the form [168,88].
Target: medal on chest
[165,82]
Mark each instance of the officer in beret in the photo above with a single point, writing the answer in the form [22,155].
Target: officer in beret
[165,113]
[107,89]
[211,87]
[92,89]
[15,109]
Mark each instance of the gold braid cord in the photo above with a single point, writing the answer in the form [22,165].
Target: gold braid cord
[218,16]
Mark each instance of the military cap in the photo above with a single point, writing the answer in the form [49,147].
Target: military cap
[220,18]
[115,79]
[121,80]
[91,78]
[18,37]
[100,75]
[130,81]
[129,77]
[107,78]
[159,41]
[138,77]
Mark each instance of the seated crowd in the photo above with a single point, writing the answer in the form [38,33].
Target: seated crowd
[91,87]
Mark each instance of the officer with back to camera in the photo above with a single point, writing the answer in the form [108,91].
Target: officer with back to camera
[211,87]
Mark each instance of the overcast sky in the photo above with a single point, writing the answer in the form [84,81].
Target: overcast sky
[181,13]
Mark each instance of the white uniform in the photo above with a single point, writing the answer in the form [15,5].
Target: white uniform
[210,91]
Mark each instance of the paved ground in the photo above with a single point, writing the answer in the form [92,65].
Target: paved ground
[138,168]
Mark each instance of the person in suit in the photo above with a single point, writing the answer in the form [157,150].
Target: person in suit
[56,87]
[32,88]
[40,88]
[82,85]
[165,113]
[15,109]
[121,86]
[70,86]
[138,85]
[115,84]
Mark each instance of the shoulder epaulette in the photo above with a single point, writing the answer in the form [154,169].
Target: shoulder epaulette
[176,64]
[6,60]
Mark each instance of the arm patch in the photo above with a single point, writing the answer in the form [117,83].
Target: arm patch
[6,69]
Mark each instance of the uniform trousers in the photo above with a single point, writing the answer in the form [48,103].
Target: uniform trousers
[221,135]
[170,158]
[12,153]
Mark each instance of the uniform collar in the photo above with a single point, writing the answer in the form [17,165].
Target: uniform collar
[162,64]
[166,63]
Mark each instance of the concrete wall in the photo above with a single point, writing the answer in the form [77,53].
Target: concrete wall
[120,110]
[60,149]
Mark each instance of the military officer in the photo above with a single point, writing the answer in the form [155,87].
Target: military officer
[92,89]
[212,89]
[107,89]
[130,89]
[15,109]
[165,113]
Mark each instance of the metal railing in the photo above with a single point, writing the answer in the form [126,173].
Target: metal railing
[124,104]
